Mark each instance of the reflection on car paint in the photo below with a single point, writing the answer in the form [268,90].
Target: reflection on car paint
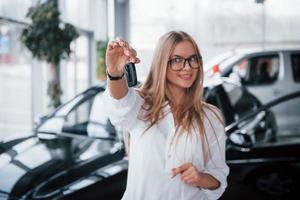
[4,159]
[23,146]
[34,157]
[10,175]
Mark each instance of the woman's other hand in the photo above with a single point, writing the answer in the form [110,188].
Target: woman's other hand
[191,176]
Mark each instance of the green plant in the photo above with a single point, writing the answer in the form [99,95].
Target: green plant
[48,39]
[101,67]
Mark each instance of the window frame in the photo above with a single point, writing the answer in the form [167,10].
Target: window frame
[292,55]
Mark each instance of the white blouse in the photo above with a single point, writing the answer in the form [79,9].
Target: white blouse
[153,155]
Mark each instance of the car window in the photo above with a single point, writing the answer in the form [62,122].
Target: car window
[76,121]
[296,66]
[99,123]
[260,70]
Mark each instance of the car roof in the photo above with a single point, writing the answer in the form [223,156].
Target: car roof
[241,51]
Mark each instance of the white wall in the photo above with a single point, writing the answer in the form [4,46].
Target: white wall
[15,9]
[217,25]
[90,15]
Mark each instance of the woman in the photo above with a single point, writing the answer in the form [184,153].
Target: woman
[177,141]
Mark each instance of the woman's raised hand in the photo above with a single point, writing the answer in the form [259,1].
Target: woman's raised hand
[118,53]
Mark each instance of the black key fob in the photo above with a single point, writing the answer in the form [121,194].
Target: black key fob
[130,74]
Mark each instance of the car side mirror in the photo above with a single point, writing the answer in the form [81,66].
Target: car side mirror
[240,140]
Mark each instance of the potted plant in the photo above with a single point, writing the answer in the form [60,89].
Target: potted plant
[101,67]
[48,39]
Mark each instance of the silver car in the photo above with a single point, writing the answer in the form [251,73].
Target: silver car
[268,74]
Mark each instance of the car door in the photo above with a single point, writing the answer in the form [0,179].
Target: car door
[266,79]
[292,67]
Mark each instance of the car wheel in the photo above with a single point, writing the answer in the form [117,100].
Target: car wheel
[276,183]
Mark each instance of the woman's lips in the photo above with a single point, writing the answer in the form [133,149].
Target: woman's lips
[186,76]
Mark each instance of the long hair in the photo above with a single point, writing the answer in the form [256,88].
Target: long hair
[155,91]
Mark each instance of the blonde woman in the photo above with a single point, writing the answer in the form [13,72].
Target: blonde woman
[177,141]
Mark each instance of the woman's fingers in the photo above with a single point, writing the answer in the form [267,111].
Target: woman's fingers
[134,60]
[120,43]
[119,49]
[188,173]
[137,60]
[114,48]
[180,169]
[128,50]
[189,177]
[132,51]
[112,44]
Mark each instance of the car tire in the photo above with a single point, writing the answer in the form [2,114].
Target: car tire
[277,182]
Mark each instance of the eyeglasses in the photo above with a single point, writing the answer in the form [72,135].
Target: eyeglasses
[178,63]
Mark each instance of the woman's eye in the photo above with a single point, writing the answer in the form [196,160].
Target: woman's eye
[193,59]
[177,60]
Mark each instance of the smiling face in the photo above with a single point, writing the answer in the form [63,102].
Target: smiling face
[179,81]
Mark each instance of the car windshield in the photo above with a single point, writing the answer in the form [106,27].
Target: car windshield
[89,117]
[85,115]
[228,62]
[217,60]
[68,106]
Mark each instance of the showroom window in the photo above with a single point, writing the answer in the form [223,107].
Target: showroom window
[15,81]
[75,70]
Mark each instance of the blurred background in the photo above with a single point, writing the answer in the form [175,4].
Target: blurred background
[220,27]
[217,25]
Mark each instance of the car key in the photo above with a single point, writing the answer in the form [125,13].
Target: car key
[130,74]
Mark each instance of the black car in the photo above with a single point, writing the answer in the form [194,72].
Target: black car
[60,161]
[73,155]
[271,167]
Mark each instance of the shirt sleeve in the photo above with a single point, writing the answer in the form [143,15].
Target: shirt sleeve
[216,165]
[123,112]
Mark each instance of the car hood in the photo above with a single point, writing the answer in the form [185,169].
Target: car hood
[33,159]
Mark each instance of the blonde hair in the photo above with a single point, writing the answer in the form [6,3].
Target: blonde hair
[155,91]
